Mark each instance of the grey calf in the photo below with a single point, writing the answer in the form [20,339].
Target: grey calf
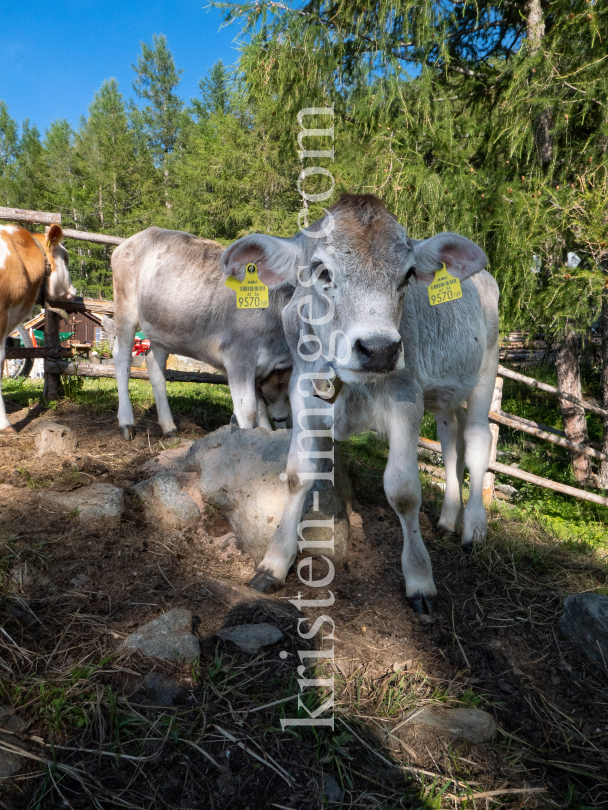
[172,286]
[361,301]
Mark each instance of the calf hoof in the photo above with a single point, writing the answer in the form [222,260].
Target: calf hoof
[421,604]
[128,432]
[467,548]
[265,582]
[172,434]
[8,430]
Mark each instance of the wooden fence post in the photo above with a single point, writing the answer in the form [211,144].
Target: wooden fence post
[488,479]
[52,380]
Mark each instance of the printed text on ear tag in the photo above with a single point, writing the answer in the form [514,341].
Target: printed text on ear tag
[444,288]
[250,292]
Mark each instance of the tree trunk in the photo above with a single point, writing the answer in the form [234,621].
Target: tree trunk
[573,416]
[535,33]
[603,474]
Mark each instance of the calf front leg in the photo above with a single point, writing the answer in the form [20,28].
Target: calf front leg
[403,491]
[308,460]
[241,379]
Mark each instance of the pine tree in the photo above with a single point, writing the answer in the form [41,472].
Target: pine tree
[30,169]
[9,141]
[216,92]
[162,118]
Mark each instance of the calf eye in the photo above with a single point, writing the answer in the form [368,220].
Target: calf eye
[324,275]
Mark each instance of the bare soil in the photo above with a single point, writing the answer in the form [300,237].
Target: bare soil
[494,644]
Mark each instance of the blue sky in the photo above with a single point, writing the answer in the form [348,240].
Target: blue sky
[54,56]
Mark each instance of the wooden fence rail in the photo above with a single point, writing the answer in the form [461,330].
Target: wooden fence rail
[45,218]
[513,472]
[549,389]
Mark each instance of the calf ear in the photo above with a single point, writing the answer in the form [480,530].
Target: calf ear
[461,257]
[275,258]
[54,235]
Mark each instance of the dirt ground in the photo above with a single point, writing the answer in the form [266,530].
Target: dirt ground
[494,644]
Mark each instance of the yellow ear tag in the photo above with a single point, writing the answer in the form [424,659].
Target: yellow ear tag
[250,292]
[444,288]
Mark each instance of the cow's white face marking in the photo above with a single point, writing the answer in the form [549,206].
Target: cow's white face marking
[4,253]
[59,284]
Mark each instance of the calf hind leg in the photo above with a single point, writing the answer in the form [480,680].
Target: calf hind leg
[450,424]
[126,324]
[478,442]
[156,362]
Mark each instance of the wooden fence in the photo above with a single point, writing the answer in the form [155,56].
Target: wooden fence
[54,354]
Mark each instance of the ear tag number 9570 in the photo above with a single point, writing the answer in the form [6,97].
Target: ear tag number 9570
[444,288]
[250,292]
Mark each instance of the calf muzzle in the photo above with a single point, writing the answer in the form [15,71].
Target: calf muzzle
[377,353]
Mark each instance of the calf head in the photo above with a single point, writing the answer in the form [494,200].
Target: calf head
[350,274]
[58,283]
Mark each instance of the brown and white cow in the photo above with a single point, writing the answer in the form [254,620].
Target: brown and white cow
[24,257]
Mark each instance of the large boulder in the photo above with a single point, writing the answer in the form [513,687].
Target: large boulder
[585,622]
[88,504]
[50,437]
[242,473]
[166,503]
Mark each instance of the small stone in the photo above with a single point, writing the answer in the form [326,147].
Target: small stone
[585,622]
[505,687]
[97,502]
[168,637]
[80,580]
[163,691]
[10,763]
[495,644]
[51,437]
[24,575]
[507,490]
[166,502]
[332,791]
[251,637]
[473,725]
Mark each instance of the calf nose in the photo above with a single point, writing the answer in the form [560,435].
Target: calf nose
[378,353]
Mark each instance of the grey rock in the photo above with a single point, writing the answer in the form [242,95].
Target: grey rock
[251,637]
[171,460]
[90,504]
[331,789]
[51,437]
[585,622]
[10,763]
[163,691]
[240,475]
[166,502]
[507,489]
[80,580]
[168,637]
[473,725]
